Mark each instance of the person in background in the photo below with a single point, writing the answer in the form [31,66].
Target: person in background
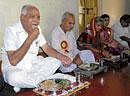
[63,40]
[88,39]
[106,19]
[21,67]
[121,29]
[106,36]
[99,40]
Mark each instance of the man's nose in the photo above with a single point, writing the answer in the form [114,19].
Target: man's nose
[37,21]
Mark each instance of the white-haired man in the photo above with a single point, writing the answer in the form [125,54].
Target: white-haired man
[63,40]
[21,67]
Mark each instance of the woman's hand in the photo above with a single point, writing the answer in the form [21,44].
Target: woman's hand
[114,44]
[106,54]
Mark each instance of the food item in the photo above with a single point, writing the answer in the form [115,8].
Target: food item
[84,66]
[48,84]
[58,87]
[49,92]
[55,85]
[75,83]
[58,91]
[93,66]
[90,66]
[63,84]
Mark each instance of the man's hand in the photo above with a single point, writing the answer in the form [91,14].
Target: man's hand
[33,33]
[32,30]
[65,60]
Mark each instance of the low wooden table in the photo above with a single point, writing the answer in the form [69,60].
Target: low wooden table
[111,83]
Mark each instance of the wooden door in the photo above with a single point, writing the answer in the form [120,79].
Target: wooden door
[87,10]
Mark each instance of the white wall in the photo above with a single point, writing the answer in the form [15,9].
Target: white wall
[115,8]
[51,12]
[127,4]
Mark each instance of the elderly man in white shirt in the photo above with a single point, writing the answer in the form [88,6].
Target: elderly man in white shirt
[21,67]
[63,40]
[121,28]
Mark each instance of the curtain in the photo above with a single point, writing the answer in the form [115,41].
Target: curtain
[87,10]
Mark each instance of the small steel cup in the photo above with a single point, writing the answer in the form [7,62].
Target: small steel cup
[77,75]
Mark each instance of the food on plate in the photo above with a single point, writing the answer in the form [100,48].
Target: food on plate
[48,84]
[55,85]
[62,83]
[90,66]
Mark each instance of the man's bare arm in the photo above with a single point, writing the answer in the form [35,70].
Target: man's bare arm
[17,55]
[53,53]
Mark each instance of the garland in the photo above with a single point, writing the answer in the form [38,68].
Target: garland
[64,46]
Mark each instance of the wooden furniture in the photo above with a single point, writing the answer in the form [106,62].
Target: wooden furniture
[0,66]
[111,83]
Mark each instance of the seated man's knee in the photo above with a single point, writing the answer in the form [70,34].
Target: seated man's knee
[15,78]
[54,61]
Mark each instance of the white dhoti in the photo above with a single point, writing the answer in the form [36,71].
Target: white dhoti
[86,56]
[30,79]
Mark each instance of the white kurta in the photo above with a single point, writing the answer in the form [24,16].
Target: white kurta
[69,48]
[120,31]
[32,69]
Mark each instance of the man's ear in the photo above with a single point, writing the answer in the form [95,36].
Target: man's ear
[21,17]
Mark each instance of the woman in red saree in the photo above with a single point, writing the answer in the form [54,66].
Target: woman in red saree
[106,37]
[98,39]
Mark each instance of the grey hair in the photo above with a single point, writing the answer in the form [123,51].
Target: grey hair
[66,14]
[25,9]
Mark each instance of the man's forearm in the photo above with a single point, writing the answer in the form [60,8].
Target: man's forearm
[16,56]
[51,51]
